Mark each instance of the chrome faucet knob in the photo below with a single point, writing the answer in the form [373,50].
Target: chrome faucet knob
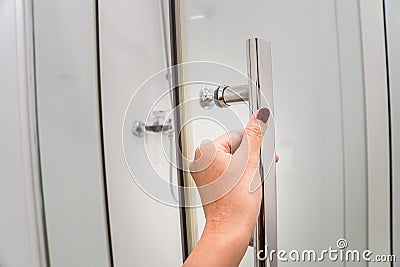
[206,98]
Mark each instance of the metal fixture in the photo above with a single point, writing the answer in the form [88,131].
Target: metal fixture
[259,94]
[139,128]
[259,69]
[223,96]
[160,124]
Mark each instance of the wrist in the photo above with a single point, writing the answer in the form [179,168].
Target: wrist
[219,246]
[229,233]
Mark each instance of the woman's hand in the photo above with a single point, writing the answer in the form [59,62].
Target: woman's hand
[226,172]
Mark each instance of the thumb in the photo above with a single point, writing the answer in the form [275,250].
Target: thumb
[255,131]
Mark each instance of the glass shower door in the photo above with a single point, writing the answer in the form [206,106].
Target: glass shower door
[233,105]
[318,110]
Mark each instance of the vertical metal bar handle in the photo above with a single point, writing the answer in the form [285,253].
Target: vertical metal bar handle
[259,70]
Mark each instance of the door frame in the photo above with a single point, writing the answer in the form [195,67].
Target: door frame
[392,11]
[377,126]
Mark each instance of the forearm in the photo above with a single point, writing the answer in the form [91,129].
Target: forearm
[220,248]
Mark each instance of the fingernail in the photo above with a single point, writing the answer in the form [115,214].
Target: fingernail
[263,115]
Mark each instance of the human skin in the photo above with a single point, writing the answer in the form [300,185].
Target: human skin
[232,160]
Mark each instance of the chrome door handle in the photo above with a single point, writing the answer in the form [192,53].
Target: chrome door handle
[259,68]
[259,93]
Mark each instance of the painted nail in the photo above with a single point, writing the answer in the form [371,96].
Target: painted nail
[263,115]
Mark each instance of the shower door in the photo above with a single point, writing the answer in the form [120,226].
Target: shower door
[196,121]
[329,119]
[319,115]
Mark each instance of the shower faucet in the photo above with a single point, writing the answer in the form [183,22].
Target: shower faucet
[160,124]
[223,96]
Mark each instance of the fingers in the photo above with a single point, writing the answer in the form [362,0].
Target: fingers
[255,130]
[203,156]
[229,142]
[206,152]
